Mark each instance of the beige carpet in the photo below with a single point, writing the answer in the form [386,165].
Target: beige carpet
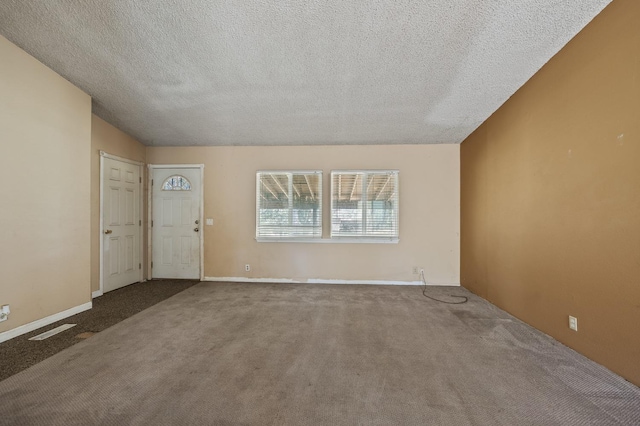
[253,354]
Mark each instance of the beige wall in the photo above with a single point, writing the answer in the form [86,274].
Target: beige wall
[429,212]
[551,196]
[105,137]
[45,132]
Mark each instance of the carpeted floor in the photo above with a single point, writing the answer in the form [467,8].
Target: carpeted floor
[20,353]
[280,354]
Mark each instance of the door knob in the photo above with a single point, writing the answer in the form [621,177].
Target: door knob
[196,229]
[108,231]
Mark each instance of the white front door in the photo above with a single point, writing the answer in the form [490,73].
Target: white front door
[121,226]
[176,223]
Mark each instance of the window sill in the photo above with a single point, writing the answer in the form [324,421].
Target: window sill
[336,240]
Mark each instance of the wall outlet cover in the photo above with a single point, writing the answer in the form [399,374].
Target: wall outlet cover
[4,313]
[573,323]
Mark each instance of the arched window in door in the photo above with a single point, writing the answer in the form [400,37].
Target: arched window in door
[176,183]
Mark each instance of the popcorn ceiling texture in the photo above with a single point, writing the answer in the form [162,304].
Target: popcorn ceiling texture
[320,72]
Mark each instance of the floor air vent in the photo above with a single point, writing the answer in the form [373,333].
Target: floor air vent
[53,332]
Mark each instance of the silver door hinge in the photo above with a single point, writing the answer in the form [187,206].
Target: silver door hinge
[140,223]
[140,179]
[139,265]
[151,182]
[152,264]
[152,224]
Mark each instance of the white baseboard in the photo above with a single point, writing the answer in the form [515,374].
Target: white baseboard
[371,282]
[251,280]
[318,281]
[99,293]
[10,334]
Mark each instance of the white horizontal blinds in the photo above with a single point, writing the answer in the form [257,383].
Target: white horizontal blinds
[364,204]
[306,211]
[381,209]
[289,205]
[346,204]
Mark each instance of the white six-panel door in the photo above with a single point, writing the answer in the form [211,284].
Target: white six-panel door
[176,227]
[121,226]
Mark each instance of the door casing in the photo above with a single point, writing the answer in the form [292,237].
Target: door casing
[150,168]
[104,155]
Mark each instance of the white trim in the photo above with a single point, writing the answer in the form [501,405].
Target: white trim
[124,160]
[99,293]
[104,155]
[176,166]
[201,223]
[150,168]
[141,207]
[363,238]
[149,230]
[101,230]
[370,282]
[290,173]
[366,171]
[43,322]
[334,240]
[320,281]
[251,280]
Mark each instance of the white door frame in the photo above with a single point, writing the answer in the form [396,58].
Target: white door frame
[104,155]
[150,168]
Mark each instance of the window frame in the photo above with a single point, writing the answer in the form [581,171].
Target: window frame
[290,238]
[174,188]
[365,238]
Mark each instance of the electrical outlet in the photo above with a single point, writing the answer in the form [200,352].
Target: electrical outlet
[573,323]
[209,221]
[247,267]
[416,270]
[4,313]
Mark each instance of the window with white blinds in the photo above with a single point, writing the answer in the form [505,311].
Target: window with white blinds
[288,204]
[364,204]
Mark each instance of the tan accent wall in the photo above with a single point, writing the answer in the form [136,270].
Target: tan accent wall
[45,132]
[429,212]
[107,138]
[550,196]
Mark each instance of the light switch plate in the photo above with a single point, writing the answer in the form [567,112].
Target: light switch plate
[573,323]
[209,221]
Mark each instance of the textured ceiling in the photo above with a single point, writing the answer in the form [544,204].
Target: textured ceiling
[199,72]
